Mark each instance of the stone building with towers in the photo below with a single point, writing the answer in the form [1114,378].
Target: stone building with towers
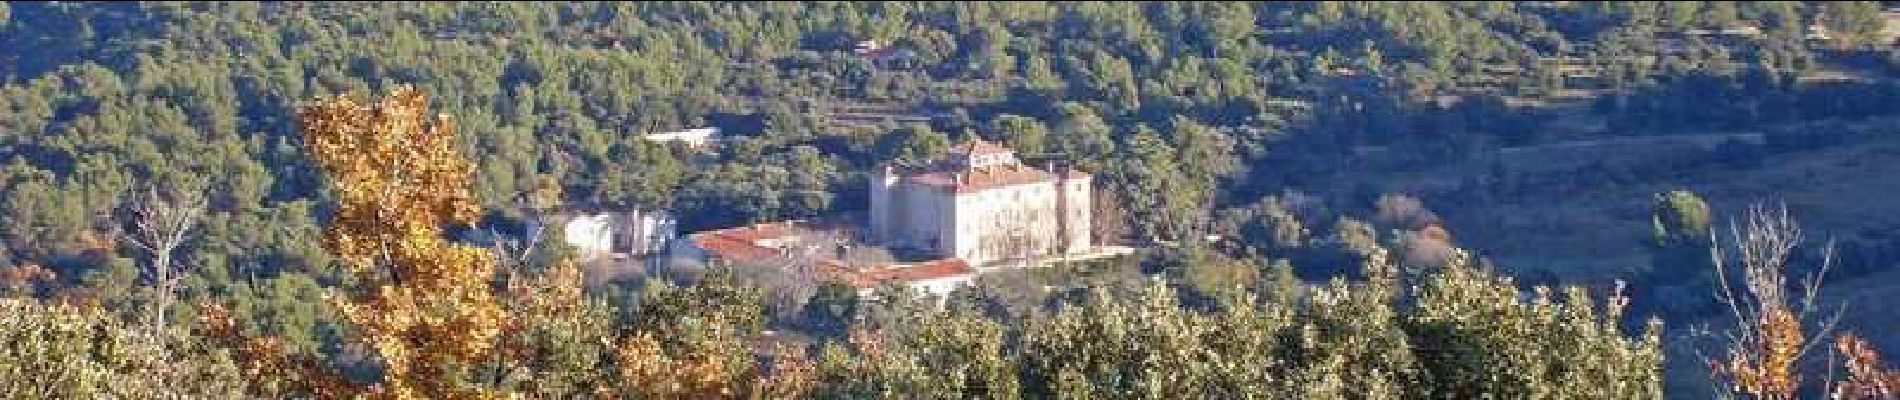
[982,205]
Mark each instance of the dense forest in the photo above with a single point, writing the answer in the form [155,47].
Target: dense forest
[185,205]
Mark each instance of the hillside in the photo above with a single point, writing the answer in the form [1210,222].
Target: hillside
[1319,199]
[1606,227]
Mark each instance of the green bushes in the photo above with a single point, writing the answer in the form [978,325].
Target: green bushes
[1462,333]
[60,351]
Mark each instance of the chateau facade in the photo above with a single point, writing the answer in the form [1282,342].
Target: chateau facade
[982,205]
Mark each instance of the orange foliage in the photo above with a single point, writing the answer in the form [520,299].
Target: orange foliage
[1866,377]
[1765,368]
[793,375]
[698,374]
[423,303]
[23,277]
[267,356]
[556,293]
[90,240]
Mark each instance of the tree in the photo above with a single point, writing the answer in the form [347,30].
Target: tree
[1477,335]
[1774,326]
[693,341]
[1040,77]
[421,303]
[914,143]
[557,339]
[1083,137]
[1206,157]
[953,356]
[1025,134]
[1207,278]
[1109,218]
[1279,224]
[1404,212]
[160,221]
[69,351]
[1854,23]
[1148,174]
[831,309]
[1682,236]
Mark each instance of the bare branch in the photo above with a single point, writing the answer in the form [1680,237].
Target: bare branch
[161,221]
[1774,329]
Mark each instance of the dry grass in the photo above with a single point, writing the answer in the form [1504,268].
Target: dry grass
[1835,191]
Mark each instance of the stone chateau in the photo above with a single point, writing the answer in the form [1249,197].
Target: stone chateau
[982,205]
[978,207]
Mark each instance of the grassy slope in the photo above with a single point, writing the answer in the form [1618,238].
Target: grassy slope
[1599,232]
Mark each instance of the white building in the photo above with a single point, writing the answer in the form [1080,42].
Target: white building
[613,234]
[591,236]
[695,138]
[982,205]
[647,232]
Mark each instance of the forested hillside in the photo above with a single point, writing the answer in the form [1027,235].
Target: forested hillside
[1336,149]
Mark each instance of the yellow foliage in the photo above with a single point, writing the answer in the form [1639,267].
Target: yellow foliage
[272,368]
[1867,378]
[424,304]
[699,374]
[23,277]
[1766,370]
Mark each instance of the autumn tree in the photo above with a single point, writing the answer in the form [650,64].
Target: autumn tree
[428,308]
[1775,323]
[1866,377]
[419,301]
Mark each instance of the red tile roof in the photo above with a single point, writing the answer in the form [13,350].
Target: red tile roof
[729,249]
[741,244]
[978,179]
[934,269]
[765,231]
[869,277]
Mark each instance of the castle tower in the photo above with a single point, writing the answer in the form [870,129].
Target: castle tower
[884,208]
[1073,206]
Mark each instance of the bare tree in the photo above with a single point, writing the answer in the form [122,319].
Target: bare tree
[158,222]
[790,279]
[1772,323]
[1109,223]
[515,254]
[867,255]
[1404,212]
